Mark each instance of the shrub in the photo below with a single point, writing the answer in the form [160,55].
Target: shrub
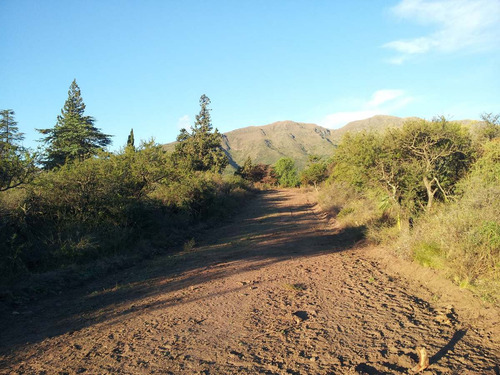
[286,173]
[467,231]
[105,205]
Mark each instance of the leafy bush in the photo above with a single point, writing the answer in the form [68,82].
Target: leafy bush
[286,173]
[315,172]
[467,231]
[421,190]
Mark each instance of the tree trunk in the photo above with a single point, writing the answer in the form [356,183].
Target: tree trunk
[430,193]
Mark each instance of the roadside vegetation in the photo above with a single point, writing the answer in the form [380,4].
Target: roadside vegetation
[75,202]
[428,190]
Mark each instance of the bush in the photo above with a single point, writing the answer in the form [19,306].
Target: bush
[286,173]
[105,206]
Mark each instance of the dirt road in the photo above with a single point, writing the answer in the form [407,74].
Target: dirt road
[278,291]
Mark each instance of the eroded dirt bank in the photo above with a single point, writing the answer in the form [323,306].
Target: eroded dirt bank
[279,291]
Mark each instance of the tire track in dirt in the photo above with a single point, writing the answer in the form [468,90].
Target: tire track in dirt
[279,291]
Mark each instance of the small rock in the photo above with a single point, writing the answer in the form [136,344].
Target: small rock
[300,316]
[234,353]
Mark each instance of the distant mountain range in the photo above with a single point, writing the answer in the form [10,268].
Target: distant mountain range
[268,143]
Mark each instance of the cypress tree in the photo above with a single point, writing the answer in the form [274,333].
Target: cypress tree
[74,137]
[130,140]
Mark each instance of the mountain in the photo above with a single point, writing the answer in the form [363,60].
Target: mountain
[268,143]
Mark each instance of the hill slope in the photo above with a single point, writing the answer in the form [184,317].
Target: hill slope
[267,144]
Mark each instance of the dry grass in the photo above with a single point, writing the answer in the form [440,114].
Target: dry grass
[463,239]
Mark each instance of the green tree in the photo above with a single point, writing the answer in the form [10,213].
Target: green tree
[491,129]
[17,165]
[201,149]
[355,158]
[439,152]
[74,137]
[245,170]
[9,132]
[315,172]
[286,172]
[131,140]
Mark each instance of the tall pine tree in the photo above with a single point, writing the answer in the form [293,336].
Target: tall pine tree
[200,149]
[17,165]
[9,132]
[74,137]
[131,140]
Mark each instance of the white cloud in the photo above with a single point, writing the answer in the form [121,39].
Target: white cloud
[458,25]
[338,119]
[184,122]
[383,96]
[382,102]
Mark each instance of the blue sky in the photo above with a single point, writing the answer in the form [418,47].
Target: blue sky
[144,64]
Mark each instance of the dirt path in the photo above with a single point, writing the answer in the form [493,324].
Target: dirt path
[279,291]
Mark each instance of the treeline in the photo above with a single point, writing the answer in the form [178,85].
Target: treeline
[430,190]
[76,202]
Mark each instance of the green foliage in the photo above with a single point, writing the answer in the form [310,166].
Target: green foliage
[105,205]
[17,165]
[487,168]
[377,181]
[467,230]
[200,149]
[315,172]
[429,255]
[491,129]
[131,140]
[286,173]
[74,137]
[414,165]
[350,207]
[355,158]
[9,131]
[439,152]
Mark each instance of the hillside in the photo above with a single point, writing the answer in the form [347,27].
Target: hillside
[267,144]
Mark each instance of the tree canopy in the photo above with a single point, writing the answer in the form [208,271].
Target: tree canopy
[17,165]
[315,172]
[200,149]
[74,137]
[414,164]
[286,172]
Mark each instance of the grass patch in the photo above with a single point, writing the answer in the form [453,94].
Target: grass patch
[429,255]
